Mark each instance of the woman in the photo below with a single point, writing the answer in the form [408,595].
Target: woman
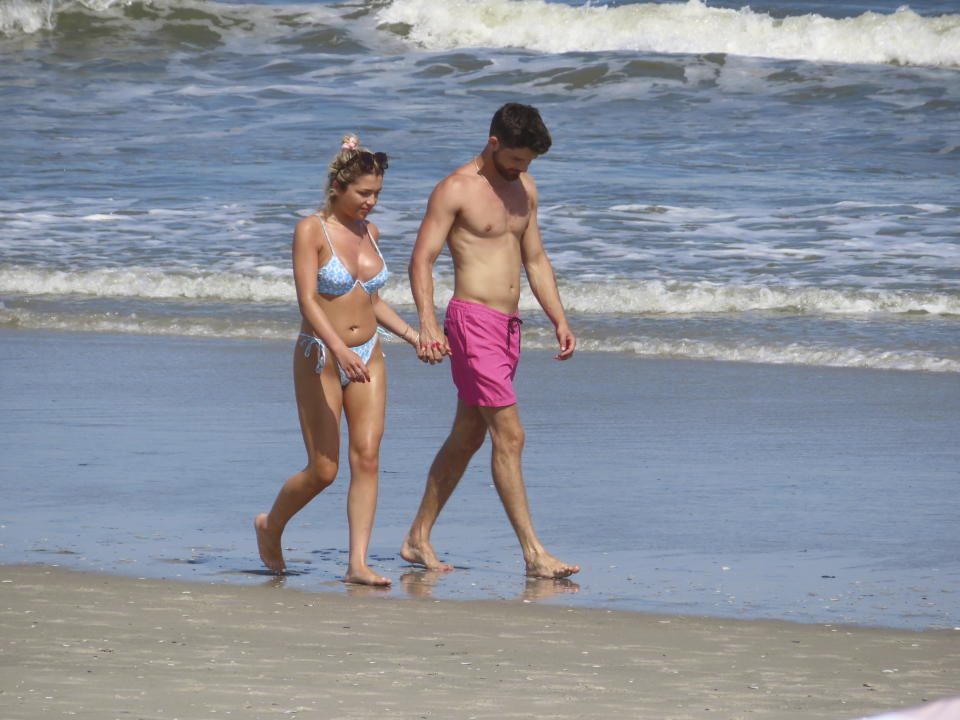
[337,363]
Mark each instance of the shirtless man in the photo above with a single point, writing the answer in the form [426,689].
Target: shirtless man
[486,211]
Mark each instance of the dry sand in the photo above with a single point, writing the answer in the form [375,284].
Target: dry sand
[98,646]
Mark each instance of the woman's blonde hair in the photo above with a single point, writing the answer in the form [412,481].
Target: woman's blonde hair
[348,165]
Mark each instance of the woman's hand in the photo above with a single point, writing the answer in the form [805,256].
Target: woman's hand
[353,367]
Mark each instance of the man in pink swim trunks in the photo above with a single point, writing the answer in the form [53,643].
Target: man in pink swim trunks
[486,213]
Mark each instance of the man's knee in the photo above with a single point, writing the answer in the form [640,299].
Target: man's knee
[508,438]
[466,439]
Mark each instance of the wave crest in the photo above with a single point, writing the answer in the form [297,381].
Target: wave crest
[604,297]
[659,297]
[903,37]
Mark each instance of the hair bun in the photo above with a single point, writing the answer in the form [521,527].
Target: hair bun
[349,142]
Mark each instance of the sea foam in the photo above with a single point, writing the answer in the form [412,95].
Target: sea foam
[903,37]
[612,296]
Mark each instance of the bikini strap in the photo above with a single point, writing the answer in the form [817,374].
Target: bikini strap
[366,226]
[323,226]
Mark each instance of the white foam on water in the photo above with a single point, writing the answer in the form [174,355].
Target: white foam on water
[756,352]
[21,17]
[236,326]
[136,282]
[666,297]
[607,296]
[903,37]
[223,21]
[132,323]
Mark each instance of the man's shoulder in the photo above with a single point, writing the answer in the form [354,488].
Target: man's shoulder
[457,185]
[528,183]
[463,176]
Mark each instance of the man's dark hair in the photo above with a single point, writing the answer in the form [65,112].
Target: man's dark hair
[520,126]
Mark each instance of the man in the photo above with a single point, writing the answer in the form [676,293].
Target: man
[486,212]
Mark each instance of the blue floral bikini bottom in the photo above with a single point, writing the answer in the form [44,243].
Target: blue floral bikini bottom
[307,342]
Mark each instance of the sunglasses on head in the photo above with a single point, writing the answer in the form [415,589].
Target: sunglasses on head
[369,161]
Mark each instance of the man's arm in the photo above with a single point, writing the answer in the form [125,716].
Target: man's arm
[441,212]
[540,275]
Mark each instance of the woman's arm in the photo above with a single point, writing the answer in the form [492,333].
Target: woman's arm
[388,318]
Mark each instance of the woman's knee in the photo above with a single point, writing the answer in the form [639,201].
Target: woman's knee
[365,457]
[320,473]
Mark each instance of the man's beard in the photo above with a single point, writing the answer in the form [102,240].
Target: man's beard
[504,172]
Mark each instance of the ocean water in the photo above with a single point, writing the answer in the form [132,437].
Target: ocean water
[772,183]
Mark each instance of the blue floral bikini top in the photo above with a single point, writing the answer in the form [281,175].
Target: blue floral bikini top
[334,278]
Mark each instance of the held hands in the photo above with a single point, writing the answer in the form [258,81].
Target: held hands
[568,343]
[432,345]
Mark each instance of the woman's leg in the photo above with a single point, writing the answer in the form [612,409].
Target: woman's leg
[365,406]
[319,402]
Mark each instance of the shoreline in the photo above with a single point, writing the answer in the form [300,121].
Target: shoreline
[95,646]
[722,490]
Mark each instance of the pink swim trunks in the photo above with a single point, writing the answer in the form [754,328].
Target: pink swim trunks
[486,349]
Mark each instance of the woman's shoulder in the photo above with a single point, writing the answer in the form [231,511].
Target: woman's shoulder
[308,228]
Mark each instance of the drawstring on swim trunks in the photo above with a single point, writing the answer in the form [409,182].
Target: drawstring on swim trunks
[513,325]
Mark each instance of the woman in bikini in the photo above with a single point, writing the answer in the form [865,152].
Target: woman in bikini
[337,364]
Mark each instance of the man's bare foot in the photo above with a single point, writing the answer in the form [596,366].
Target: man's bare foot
[365,576]
[268,542]
[547,566]
[422,554]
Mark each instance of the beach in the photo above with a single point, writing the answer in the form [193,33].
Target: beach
[130,586]
[752,216]
[95,646]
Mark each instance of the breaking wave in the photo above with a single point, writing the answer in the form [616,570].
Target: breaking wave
[903,37]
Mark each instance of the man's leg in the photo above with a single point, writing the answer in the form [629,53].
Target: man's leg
[466,437]
[507,435]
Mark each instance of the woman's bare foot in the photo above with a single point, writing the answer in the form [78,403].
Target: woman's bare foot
[365,576]
[268,542]
[422,554]
[545,565]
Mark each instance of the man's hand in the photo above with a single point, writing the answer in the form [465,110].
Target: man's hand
[568,343]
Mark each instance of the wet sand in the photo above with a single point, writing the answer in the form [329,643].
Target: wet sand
[98,646]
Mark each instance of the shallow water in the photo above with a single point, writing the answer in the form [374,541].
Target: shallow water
[684,487]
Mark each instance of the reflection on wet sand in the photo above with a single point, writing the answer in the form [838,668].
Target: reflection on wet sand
[419,583]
